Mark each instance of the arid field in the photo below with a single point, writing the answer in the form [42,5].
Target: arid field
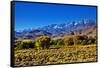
[56,55]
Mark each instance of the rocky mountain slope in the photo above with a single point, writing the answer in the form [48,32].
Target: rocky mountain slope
[82,27]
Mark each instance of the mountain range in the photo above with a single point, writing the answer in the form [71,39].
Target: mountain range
[84,26]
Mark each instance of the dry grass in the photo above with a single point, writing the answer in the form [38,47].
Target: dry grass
[62,55]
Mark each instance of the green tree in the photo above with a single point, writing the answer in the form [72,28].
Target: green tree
[24,44]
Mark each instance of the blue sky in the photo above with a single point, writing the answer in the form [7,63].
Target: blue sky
[34,15]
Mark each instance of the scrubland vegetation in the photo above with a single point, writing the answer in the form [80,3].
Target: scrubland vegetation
[43,50]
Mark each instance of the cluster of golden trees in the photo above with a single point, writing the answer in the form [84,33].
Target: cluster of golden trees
[44,42]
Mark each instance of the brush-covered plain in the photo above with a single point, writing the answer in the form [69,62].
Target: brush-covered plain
[69,51]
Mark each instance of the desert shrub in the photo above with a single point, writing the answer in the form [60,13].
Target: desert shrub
[68,41]
[84,42]
[17,43]
[24,44]
[91,40]
[53,42]
[85,37]
[42,42]
[78,37]
[57,42]
[95,39]
[29,43]
[95,42]
[60,42]
[77,42]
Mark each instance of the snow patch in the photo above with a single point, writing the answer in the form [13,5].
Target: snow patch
[76,23]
